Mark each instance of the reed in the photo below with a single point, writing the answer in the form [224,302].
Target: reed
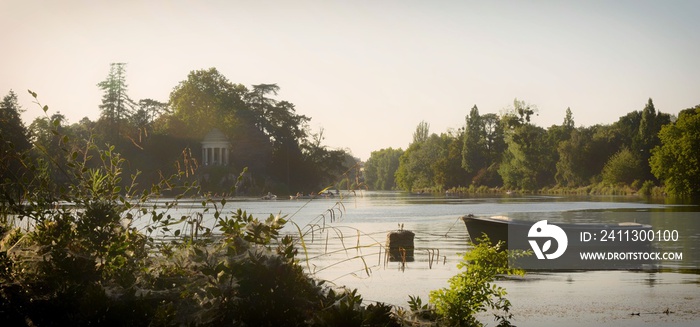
[88,263]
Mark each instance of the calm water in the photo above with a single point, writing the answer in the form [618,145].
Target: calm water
[345,246]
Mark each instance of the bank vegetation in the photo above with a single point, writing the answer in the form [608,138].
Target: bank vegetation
[85,242]
[645,152]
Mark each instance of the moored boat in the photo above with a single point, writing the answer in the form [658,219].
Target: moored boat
[269,196]
[628,240]
[498,228]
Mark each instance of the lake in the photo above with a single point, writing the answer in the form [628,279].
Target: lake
[344,245]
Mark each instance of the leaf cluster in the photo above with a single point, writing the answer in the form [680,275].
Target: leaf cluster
[473,290]
[508,151]
[677,159]
[83,261]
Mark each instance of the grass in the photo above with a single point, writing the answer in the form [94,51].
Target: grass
[648,189]
[88,264]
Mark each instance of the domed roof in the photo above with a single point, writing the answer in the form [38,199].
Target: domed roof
[215,136]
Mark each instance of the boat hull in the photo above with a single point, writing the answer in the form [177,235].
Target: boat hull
[581,238]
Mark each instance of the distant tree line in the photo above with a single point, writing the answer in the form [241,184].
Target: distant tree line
[642,149]
[158,138]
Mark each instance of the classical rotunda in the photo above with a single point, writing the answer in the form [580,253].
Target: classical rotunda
[216,149]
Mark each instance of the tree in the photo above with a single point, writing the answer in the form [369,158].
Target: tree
[622,168]
[482,148]
[50,137]
[422,132]
[433,163]
[448,168]
[142,120]
[318,166]
[607,140]
[292,152]
[116,105]
[381,167]
[206,100]
[148,111]
[261,104]
[298,158]
[569,120]
[84,129]
[648,135]
[267,135]
[638,130]
[527,162]
[13,134]
[14,141]
[576,165]
[413,169]
[474,149]
[414,163]
[495,146]
[558,136]
[519,114]
[561,133]
[648,128]
[676,161]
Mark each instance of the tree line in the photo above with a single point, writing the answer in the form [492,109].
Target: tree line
[641,150]
[100,249]
[158,138]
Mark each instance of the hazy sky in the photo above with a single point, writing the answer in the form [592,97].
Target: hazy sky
[366,71]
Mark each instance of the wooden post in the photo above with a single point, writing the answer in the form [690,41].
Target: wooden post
[396,241]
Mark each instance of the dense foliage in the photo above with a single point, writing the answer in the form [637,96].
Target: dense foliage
[14,140]
[82,260]
[508,151]
[381,167]
[473,290]
[96,252]
[677,159]
[116,105]
[266,135]
[622,168]
[430,161]
[482,147]
[527,161]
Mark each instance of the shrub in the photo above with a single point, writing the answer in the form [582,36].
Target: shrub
[472,291]
[84,264]
[622,168]
[647,188]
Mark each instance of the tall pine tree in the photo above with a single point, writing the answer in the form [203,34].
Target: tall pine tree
[116,105]
[14,141]
[474,149]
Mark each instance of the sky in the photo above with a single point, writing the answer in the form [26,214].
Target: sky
[366,72]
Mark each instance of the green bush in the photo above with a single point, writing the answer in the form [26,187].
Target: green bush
[84,263]
[647,188]
[622,168]
[473,290]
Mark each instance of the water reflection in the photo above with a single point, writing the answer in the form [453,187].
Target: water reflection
[349,250]
[540,299]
